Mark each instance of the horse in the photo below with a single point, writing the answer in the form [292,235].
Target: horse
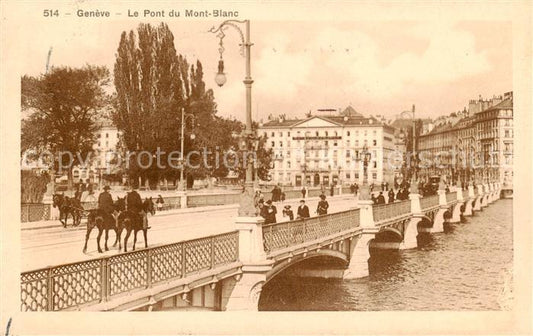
[104,222]
[130,220]
[68,206]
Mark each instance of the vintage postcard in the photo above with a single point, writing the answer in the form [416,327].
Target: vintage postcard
[263,167]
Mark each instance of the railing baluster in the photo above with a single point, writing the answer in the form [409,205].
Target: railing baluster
[50,290]
[212,252]
[183,263]
[149,268]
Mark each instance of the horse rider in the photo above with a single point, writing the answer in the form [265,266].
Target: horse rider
[105,203]
[134,204]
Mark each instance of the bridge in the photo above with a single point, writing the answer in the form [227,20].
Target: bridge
[228,271]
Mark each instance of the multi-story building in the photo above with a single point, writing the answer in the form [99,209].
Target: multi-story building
[331,147]
[107,139]
[479,145]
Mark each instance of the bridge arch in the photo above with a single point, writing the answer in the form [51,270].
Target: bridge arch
[288,263]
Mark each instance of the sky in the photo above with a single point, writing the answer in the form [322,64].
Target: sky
[377,67]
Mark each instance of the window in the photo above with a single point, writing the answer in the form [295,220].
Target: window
[280,134]
[374,176]
[356,143]
[348,134]
[348,176]
[375,164]
[273,134]
[288,144]
[335,143]
[107,135]
[272,144]
[316,133]
[356,175]
[374,142]
[326,133]
[366,133]
[348,153]
[288,153]
[281,143]
[356,132]
[288,133]
[288,164]
[325,143]
[506,133]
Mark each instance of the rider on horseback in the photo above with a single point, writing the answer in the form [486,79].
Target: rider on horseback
[134,204]
[105,203]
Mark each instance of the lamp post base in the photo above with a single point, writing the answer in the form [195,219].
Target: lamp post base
[246,204]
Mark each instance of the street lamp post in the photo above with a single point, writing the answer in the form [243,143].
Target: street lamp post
[184,116]
[414,183]
[246,208]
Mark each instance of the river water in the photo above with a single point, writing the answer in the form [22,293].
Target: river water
[466,268]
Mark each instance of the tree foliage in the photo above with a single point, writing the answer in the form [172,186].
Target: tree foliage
[32,186]
[64,106]
[154,83]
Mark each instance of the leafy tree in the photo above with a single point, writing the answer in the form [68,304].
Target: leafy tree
[32,186]
[154,83]
[64,105]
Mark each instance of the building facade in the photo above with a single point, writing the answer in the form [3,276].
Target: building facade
[331,148]
[478,146]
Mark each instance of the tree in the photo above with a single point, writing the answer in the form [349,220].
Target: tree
[32,186]
[154,83]
[64,103]
[151,85]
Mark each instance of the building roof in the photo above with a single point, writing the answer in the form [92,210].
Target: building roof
[337,120]
[348,117]
[506,104]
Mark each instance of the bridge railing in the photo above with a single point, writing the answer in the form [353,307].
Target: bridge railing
[32,212]
[97,280]
[277,236]
[427,202]
[386,211]
[451,197]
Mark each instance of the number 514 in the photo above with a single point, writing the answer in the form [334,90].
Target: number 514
[50,12]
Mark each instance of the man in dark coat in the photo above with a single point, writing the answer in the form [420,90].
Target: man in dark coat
[303,210]
[391,196]
[134,204]
[381,198]
[105,203]
[268,212]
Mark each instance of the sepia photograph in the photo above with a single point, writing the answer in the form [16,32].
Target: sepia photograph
[173,159]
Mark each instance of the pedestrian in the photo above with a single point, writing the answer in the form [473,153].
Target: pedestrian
[303,192]
[287,212]
[381,198]
[391,196]
[282,197]
[160,201]
[356,187]
[268,212]
[303,210]
[332,190]
[352,188]
[323,205]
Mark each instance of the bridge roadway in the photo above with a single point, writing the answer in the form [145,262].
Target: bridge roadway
[52,246]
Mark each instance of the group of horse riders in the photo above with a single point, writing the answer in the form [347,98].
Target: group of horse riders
[133,203]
